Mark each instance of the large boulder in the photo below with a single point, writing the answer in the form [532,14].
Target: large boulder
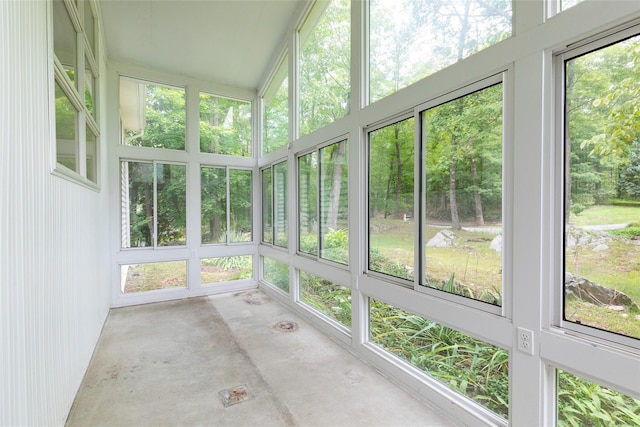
[585,290]
[442,239]
[496,244]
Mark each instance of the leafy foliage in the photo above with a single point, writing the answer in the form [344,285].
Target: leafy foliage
[470,366]
[583,403]
[327,297]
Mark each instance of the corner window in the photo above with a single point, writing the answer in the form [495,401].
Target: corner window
[602,189]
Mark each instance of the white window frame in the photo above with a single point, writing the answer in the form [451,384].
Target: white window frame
[595,335]
[84,54]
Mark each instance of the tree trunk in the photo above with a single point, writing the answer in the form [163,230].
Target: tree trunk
[148,209]
[476,192]
[336,186]
[398,170]
[453,203]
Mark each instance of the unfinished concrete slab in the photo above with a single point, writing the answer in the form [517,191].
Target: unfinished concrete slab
[175,363]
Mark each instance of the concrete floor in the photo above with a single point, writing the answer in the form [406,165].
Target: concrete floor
[168,364]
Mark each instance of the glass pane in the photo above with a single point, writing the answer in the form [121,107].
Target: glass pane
[213,203]
[240,205]
[267,206]
[89,26]
[327,297]
[411,39]
[280,205]
[276,111]
[225,126]
[276,273]
[325,59]
[583,403]
[334,203]
[137,204]
[92,155]
[171,182]
[468,365]
[391,200]
[462,142]
[89,88]
[152,115]
[308,203]
[602,189]
[226,269]
[64,39]
[152,276]
[566,4]
[66,133]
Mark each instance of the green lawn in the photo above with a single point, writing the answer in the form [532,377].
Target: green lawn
[606,214]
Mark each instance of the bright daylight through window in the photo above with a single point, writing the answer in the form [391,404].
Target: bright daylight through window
[77,131]
[225,205]
[602,189]
[325,64]
[225,126]
[153,204]
[274,205]
[152,115]
[324,203]
[411,39]
[462,146]
[391,200]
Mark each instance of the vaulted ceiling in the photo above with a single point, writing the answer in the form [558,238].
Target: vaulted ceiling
[230,42]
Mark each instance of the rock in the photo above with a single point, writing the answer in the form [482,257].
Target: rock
[585,290]
[586,238]
[601,247]
[496,244]
[442,239]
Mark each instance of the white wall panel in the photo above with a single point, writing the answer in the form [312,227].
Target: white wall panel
[54,284]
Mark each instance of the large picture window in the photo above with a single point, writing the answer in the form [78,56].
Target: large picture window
[602,188]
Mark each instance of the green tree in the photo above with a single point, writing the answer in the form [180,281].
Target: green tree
[325,65]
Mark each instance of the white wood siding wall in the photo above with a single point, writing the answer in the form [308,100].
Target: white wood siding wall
[54,284]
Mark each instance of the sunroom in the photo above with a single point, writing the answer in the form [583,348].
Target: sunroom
[447,190]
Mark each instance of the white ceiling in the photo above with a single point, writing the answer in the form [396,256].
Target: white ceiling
[230,42]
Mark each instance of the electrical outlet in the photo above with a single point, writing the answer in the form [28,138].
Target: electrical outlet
[525,340]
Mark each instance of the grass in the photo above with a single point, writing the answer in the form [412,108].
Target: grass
[602,318]
[471,261]
[156,275]
[606,214]
[475,266]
